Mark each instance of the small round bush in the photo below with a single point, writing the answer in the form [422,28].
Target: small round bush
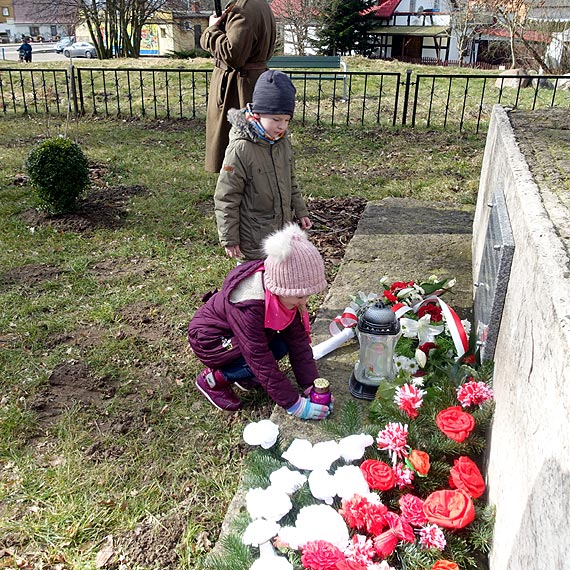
[59,173]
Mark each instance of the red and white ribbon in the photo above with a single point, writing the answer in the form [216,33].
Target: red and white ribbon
[347,320]
[454,324]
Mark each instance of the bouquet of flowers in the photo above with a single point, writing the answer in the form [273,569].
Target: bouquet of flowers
[402,493]
[432,333]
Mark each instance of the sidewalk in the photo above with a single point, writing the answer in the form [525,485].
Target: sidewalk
[403,239]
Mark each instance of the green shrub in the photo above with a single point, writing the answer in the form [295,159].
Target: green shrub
[59,173]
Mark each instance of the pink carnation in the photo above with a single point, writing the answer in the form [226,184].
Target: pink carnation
[375,518]
[431,536]
[354,511]
[409,398]
[404,476]
[321,555]
[394,440]
[474,393]
[361,549]
[412,511]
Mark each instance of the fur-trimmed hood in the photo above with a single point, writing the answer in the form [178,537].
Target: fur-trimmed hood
[241,127]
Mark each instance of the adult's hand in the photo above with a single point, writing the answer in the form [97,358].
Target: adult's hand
[306,223]
[214,20]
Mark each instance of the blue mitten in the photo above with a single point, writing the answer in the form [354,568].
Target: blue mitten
[304,409]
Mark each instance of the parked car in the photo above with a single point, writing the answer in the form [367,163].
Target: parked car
[63,43]
[80,49]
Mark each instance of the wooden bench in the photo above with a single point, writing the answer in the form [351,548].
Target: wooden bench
[311,62]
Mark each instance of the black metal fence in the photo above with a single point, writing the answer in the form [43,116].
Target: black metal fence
[460,101]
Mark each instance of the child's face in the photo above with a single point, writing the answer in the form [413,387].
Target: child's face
[274,125]
[293,302]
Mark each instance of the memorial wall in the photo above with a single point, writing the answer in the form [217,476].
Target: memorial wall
[522,307]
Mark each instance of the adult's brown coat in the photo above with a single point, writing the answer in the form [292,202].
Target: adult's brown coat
[241,46]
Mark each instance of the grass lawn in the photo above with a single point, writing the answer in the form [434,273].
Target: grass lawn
[102,433]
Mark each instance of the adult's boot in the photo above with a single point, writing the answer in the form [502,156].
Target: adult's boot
[217,390]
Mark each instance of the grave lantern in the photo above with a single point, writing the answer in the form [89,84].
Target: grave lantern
[378,331]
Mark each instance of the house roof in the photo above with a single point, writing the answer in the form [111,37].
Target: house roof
[384,9]
[430,31]
[529,35]
[33,12]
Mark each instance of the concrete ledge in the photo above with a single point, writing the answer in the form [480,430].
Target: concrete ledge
[529,461]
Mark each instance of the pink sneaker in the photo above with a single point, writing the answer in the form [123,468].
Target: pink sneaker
[217,390]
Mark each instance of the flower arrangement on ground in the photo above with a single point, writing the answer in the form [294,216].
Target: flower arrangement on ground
[399,490]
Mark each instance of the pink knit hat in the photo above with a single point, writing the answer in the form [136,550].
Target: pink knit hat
[293,265]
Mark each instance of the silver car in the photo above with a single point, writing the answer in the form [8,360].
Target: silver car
[64,42]
[80,49]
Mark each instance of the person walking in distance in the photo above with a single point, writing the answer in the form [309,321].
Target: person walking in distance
[241,41]
[25,51]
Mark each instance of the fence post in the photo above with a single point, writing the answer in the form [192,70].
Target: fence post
[406,95]
[73,89]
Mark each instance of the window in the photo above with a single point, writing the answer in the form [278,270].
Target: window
[53,31]
[412,5]
[436,5]
[34,31]
[5,11]
[162,32]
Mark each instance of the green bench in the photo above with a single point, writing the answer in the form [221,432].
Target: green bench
[311,62]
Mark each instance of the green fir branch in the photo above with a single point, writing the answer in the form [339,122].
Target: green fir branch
[234,555]
[410,557]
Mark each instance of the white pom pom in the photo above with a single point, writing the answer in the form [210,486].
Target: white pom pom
[278,244]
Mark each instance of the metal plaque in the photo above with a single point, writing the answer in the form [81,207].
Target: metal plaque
[492,281]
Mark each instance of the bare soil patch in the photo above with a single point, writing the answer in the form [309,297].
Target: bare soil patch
[104,207]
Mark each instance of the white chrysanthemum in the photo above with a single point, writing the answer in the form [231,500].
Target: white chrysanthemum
[269,560]
[299,454]
[350,481]
[325,453]
[316,522]
[322,485]
[303,455]
[287,480]
[467,326]
[270,504]
[262,433]
[259,531]
[352,447]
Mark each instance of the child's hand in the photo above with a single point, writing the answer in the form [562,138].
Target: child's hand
[306,410]
[233,251]
[306,223]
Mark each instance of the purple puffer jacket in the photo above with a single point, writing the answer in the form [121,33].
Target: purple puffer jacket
[221,330]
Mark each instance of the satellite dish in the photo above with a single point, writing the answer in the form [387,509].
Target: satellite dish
[420,11]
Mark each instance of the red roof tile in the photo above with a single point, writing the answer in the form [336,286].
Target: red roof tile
[384,9]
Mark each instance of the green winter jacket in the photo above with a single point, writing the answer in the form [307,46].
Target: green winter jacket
[257,192]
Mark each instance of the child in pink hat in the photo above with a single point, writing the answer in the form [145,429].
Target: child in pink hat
[257,318]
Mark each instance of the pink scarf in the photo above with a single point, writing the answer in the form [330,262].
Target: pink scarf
[278,317]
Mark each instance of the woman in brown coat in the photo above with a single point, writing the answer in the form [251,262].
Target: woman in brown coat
[241,41]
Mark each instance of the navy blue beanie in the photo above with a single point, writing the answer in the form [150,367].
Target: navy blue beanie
[274,94]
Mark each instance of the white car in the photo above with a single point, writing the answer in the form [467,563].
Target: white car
[80,49]
[63,43]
